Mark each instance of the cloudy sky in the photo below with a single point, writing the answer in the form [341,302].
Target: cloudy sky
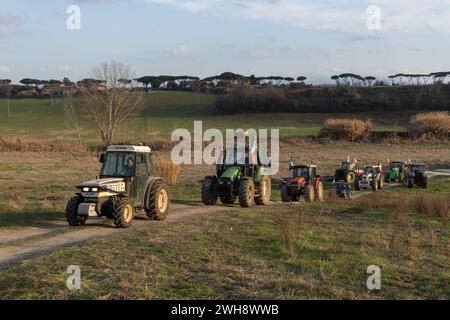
[206,37]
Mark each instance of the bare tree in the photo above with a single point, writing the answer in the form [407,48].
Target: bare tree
[107,103]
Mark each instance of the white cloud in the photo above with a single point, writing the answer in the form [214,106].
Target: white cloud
[345,15]
[181,51]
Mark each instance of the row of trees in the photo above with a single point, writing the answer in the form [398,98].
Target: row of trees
[419,79]
[353,80]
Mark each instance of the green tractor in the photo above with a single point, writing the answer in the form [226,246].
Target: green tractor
[396,172]
[241,180]
[126,185]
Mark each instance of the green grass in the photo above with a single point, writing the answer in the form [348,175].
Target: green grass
[288,252]
[162,113]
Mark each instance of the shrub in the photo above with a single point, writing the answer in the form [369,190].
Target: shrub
[167,170]
[433,124]
[17,145]
[347,129]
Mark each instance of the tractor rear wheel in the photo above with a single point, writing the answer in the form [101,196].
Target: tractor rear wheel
[374,185]
[209,198]
[310,194]
[265,191]
[72,212]
[228,199]
[247,193]
[123,212]
[158,202]
[381,183]
[319,192]
[351,177]
[285,197]
[410,183]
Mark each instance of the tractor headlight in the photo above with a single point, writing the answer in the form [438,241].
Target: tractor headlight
[85,189]
[94,189]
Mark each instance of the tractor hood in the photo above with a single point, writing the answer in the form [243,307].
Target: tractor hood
[230,174]
[102,182]
[103,187]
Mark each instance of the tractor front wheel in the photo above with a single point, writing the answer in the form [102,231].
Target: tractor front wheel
[72,212]
[247,193]
[319,192]
[265,191]
[159,202]
[285,197]
[123,212]
[209,198]
[310,194]
[374,185]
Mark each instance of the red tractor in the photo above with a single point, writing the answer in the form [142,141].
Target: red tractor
[305,182]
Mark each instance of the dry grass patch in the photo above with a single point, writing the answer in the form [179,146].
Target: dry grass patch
[347,129]
[433,124]
[166,169]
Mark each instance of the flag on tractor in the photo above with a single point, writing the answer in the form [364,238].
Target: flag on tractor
[254,153]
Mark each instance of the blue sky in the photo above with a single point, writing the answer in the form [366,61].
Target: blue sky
[206,37]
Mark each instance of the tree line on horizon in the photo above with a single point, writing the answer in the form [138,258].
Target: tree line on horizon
[346,79]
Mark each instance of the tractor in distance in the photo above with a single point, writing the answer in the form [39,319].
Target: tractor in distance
[371,179]
[396,172]
[349,171]
[242,179]
[126,185]
[416,176]
[304,182]
[342,189]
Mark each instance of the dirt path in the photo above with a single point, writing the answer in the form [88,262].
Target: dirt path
[41,239]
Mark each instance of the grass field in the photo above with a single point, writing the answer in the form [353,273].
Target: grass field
[293,252]
[162,113]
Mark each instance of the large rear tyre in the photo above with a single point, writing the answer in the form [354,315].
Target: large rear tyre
[319,192]
[158,202]
[410,183]
[72,212]
[123,212]
[265,191]
[247,193]
[310,194]
[209,198]
[285,196]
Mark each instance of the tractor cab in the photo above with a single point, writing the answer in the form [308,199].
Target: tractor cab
[418,168]
[127,162]
[304,172]
[246,162]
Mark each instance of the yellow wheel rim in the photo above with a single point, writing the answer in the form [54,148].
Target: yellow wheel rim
[128,213]
[163,200]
